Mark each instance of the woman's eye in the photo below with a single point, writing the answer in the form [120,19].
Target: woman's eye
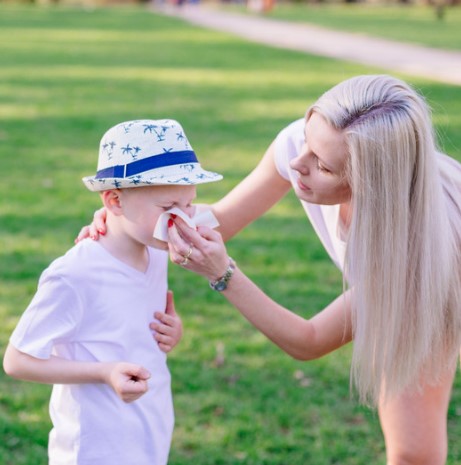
[319,165]
[322,168]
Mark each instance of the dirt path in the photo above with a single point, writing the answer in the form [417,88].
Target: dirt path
[441,65]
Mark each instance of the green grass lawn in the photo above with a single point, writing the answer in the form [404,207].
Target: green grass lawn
[407,23]
[66,76]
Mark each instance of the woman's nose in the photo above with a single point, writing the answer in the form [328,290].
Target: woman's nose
[300,164]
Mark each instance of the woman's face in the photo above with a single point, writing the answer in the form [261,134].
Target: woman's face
[321,164]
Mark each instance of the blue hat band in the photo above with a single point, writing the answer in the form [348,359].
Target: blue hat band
[147,164]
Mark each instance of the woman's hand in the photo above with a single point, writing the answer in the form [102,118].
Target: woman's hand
[97,227]
[168,329]
[199,250]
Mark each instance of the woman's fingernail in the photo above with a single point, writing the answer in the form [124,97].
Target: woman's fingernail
[170,222]
[102,232]
[173,216]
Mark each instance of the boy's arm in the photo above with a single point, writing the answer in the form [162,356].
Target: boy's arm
[128,380]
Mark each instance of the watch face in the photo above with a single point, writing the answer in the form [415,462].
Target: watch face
[221,285]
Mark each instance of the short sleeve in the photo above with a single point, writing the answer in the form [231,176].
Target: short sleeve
[52,317]
[287,145]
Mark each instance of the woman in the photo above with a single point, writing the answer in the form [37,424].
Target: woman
[386,206]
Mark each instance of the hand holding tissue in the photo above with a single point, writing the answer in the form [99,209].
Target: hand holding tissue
[201,218]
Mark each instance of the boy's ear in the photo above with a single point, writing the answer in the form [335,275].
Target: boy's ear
[112,201]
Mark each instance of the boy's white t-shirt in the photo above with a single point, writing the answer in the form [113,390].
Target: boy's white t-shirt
[89,306]
[325,218]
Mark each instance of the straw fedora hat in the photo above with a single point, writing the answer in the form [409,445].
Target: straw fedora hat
[146,153]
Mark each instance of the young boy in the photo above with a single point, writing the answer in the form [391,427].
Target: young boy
[87,328]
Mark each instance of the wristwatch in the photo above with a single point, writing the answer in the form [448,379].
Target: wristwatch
[221,284]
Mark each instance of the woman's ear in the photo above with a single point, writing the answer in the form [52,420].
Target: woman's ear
[111,199]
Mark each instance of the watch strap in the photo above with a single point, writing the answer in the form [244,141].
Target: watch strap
[221,283]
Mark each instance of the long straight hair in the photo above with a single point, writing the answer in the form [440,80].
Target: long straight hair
[403,246]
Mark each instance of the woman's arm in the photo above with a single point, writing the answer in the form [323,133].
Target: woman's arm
[302,339]
[128,380]
[252,197]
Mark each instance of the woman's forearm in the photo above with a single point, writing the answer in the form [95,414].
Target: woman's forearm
[302,339]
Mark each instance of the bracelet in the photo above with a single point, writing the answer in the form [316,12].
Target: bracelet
[221,283]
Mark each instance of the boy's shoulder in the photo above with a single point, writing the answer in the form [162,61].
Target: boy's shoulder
[88,263]
[76,262]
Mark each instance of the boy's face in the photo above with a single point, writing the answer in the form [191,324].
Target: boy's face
[142,207]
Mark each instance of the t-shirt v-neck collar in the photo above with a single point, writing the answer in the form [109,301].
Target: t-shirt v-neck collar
[120,264]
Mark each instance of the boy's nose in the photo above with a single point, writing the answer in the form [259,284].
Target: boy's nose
[189,211]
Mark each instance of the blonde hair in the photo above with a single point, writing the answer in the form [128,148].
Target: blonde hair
[403,247]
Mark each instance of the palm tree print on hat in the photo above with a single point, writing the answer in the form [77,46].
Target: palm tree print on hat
[133,151]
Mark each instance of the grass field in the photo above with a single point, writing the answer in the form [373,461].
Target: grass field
[69,74]
[407,23]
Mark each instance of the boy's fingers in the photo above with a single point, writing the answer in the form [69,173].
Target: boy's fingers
[143,374]
[162,330]
[138,372]
[162,338]
[170,309]
[167,320]
[164,347]
[167,317]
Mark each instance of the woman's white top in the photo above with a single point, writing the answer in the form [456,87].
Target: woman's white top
[325,218]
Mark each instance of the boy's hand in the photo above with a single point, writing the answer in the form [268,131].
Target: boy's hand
[168,331]
[129,381]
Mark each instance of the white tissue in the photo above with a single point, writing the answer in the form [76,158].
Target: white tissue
[201,218]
